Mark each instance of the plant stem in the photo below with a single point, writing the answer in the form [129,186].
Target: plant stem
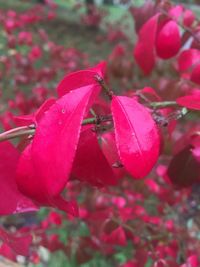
[104,86]
[163,104]
[30,129]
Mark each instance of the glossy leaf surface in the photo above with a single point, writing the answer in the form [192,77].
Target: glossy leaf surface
[189,101]
[136,136]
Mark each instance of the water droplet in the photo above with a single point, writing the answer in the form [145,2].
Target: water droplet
[63,110]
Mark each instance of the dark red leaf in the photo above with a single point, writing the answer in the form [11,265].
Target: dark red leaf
[90,164]
[195,75]
[137,136]
[184,169]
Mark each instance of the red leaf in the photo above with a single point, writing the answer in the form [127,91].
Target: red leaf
[28,179]
[11,200]
[190,101]
[33,118]
[116,237]
[192,261]
[45,166]
[136,136]
[188,18]
[80,78]
[19,244]
[184,169]
[195,75]
[188,58]
[168,40]
[144,49]
[90,164]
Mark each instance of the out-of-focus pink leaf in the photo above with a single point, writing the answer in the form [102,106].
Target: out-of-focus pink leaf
[176,12]
[143,13]
[190,101]
[90,164]
[19,244]
[144,50]
[45,165]
[168,40]
[33,118]
[81,78]
[11,200]
[116,237]
[188,18]
[195,75]
[150,92]
[137,136]
[192,261]
[188,58]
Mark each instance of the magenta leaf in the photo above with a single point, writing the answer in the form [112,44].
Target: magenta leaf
[188,58]
[11,200]
[81,78]
[144,50]
[189,101]
[168,40]
[136,134]
[45,165]
[28,179]
[90,164]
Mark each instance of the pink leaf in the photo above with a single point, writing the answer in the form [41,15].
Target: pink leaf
[44,167]
[136,136]
[195,75]
[11,200]
[188,18]
[189,101]
[144,49]
[116,237]
[80,78]
[188,58]
[90,164]
[28,179]
[168,40]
